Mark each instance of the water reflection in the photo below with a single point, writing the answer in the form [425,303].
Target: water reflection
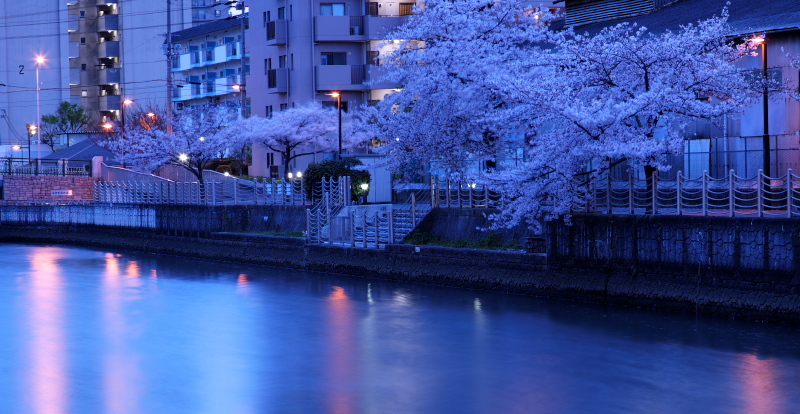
[120,332]
[47,376]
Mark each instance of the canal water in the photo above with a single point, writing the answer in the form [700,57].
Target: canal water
[90,331]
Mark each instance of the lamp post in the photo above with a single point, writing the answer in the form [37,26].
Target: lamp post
[39,61]
[32,129]
[338,97]
[125,103]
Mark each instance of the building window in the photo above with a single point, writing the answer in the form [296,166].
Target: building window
[406,9]
[83,66]
[282,61]
[268,112]
[291,60]
[83,40]
[332,9]
[83,14]
[372,8]
[281,13]
[267,65]
[284,106]
[84,93]
[334,58]
[265,19]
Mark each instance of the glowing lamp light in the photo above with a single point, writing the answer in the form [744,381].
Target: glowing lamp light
[150,114]
[202,139]
[334,94]
[290,175]
[40,59]
[183,157]
[127,102]
[236,87]
[365,186]
[757,40]
[107,126]
[299,174]
[227,174]
[32,128]
[16,147]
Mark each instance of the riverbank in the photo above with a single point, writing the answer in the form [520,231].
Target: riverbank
[703,289]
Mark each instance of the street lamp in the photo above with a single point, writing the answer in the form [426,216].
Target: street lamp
[338,97]
[32,129]
[125,103]
[39,61]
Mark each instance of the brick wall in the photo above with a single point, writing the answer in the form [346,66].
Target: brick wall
[20,188]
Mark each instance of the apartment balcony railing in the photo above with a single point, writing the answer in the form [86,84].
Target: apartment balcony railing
[108,49]
[354,28]
[73,23]
[278,80]
[74,76]
[74,49]
[276,32]
[109,76]
[108,22]
[341,77]
[110,103]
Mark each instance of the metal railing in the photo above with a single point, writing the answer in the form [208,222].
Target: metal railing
[333,195]
[461,194]
[62,168]
[229,192]
[732,195]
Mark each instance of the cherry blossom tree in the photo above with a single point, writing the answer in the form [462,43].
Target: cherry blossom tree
[489,76]
[195,137]
[295,132]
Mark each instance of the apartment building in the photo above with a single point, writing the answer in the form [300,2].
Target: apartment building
[115,52]
[209,69]
[305,50]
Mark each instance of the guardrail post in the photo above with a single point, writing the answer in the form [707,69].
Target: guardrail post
[731,194]
[630,193]
[789,201]
[413,210]
[391,227]
[608,193]
[679,188]
[760,192]
[448,193]
[655,193]
[704,195]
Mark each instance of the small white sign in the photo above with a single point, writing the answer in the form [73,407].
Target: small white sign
[55,193]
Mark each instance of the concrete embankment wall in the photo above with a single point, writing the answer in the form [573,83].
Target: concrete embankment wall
[656,263]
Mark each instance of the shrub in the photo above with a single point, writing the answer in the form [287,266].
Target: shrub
[336,168]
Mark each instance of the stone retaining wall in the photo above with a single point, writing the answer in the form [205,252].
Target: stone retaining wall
[25,188]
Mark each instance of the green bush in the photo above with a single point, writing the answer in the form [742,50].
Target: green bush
[336,168]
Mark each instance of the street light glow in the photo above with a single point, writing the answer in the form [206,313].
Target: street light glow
[108,125]
[16,147]
[299,174]
[151,114]
[334,94]
[39,59]
[127,102]
[183,157]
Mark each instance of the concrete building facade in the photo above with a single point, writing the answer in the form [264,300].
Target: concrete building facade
[209,69]
[305,50]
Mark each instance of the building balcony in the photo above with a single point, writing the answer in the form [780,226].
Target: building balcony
[377,27]
[74,49]
[341,77]
[102,2]
[74,76]
[278,80]
[108,22]
[109,76]
[339,29]
[110,103]
[276,33]
[73,23]
[108,49]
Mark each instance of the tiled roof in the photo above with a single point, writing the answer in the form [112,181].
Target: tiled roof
[205,29]
[746,16]
[83,151]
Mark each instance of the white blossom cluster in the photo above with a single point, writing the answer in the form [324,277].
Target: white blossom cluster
[481,78]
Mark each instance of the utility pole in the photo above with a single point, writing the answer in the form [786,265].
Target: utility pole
[168,52]
[243,86]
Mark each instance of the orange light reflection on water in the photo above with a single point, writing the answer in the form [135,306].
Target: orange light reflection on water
[47,373]
[343,363]
[759,390]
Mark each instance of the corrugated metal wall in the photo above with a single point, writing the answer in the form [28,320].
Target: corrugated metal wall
[581,12]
